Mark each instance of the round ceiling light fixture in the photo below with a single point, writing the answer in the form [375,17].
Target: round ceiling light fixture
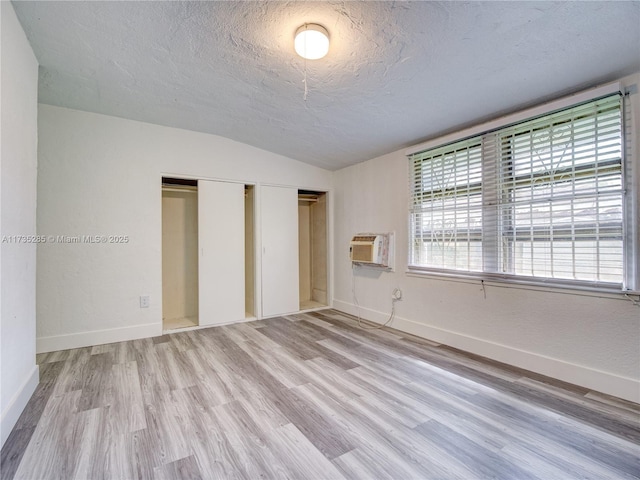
[311,41]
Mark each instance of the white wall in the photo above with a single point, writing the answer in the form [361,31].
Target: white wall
[101,175]
[584,339]
[18,160]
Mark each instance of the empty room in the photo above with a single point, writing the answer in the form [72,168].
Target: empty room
[320,240]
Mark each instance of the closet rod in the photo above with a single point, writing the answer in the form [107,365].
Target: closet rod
[178,188]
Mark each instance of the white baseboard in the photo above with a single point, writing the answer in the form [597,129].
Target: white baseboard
[12,413]
[97,337]
[611,384]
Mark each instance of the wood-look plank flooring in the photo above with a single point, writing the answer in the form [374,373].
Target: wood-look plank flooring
[310,396]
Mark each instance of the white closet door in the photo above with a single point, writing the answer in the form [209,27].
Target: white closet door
[280,271]
[221,245]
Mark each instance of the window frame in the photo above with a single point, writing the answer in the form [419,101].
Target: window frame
[491,256]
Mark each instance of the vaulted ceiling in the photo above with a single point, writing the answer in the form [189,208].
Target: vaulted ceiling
[397,73]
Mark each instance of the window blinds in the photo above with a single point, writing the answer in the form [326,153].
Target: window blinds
[542,198]
[561,194]
[446,213]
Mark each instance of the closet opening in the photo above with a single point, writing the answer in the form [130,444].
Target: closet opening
[312,252]
[179,253]
[249,251]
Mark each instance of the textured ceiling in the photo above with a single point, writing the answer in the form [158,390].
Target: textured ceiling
[397,73]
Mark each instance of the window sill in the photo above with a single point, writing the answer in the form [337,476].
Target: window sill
[503,281]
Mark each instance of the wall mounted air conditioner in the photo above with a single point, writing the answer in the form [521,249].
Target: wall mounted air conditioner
[370,249]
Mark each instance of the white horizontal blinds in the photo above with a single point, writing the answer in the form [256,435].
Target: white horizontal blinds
[561,194]
[632,203]
[490,211]
[446,207]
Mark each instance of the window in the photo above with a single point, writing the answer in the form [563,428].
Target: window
[541,200]
[447,207]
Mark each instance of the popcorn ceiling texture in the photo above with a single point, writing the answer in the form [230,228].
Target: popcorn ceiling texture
[396,74]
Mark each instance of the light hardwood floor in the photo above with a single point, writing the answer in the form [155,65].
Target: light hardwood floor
[310,396]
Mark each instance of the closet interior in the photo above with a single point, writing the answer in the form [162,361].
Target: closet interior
[179,253]
[249,252]
[312,249]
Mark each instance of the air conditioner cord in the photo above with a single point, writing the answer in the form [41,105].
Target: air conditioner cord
[355,301]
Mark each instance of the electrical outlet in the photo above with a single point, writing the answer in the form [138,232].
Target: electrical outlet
[396,294]
[144,301]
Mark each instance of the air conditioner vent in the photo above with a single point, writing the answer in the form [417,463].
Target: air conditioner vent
[364,238]
[370,249]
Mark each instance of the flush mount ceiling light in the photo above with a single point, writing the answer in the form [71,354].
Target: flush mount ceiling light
[311,41]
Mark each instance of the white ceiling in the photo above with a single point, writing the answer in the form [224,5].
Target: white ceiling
[397,73]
